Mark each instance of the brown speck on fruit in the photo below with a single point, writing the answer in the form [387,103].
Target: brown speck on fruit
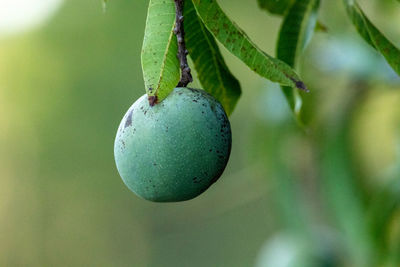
[128,121]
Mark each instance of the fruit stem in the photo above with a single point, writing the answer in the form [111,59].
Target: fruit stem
[186,76]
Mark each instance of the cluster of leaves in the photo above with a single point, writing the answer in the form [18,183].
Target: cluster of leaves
[206,23]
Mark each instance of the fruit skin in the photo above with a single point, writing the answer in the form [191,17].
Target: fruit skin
[176,149]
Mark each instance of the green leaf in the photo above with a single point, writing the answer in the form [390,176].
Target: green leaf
[236,41]
[383,208]
[296,30]
[212,71]
[339,180]
[343,197]
[278,7]
[160,65]
[372,35]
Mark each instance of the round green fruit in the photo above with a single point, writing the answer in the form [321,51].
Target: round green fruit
[174,150]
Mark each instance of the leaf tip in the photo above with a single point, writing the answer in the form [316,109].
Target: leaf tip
[300,85]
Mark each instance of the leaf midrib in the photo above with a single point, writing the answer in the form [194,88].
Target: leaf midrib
[165,58]
[214,58]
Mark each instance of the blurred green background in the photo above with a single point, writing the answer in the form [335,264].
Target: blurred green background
[325,196]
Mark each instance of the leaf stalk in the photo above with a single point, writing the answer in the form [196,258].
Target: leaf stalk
[186,76]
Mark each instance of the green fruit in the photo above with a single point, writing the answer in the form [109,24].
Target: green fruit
[174,150]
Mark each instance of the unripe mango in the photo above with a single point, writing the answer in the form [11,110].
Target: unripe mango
[174,150]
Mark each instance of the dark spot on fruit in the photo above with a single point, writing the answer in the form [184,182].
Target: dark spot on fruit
[196,181]
[128,121]
[194,100]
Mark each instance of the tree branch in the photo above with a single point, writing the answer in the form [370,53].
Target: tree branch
[186,76]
